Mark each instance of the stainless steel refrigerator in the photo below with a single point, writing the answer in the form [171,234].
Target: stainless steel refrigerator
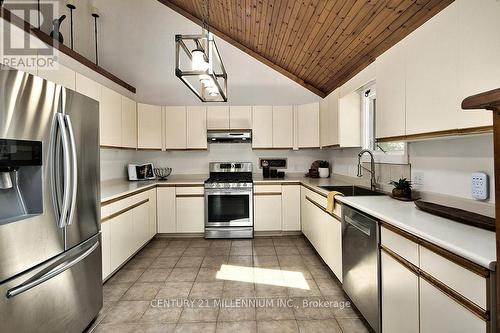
[50,248]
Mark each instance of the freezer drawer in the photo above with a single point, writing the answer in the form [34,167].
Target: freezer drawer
[62,295]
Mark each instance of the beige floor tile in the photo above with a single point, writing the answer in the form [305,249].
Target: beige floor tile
[142,291]
[265,261]
[262,290]
[155,328]
[242,242]
[290,260]
[186,262]
[164,262]
[311,308]
[113,292]
[126,276]
[200,242]
[311,290]
[264,251]
[162,314]
[195,327]
[207,274]
[199,314]
[282,241]
[328,287]
[236,314]
[155,275]
[286,250]
[239,326]
[214,261]
[305,250]
[278,311]
[319,326]
[236,289]
[180,243]
[116,328]
[174,290]
[218,251]
[343,307]
[320,272]
[241,251]
[206,289]
[138,263]
[149,253]
[304,272]
[263,241]
[274,326]
[354,325]
[244,261]
[172,252]
[312,261]
[221,243]
[183,275]
[126,312]
[195,252]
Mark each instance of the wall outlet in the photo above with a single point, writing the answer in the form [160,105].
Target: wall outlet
[480,184]
[418,178]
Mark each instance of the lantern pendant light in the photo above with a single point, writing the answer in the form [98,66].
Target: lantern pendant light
[207,77]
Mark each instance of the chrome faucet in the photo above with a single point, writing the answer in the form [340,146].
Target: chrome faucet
[373,182]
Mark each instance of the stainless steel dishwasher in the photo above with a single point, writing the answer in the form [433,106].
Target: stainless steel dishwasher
[361,263]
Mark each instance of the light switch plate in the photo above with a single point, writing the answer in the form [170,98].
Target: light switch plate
[480,190]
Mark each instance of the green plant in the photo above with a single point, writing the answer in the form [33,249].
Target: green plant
[401,184]
[324,164]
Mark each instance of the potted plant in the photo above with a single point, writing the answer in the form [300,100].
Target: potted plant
[324,169]
[402,188]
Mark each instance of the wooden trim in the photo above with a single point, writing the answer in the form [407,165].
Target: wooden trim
[489,100]
[414,269]
[28,28]
[469,305]
[125,196]
[456,259]
[308,147]
[189,185]
[323,209]
[439,134]
[120,212]
[275,181]
[245,49]
[165,185]
[267,193]
[271,148]
[290,183]
[309,187]
[116,147]
[186,149]
[331,146]
[190,195]
[150,149]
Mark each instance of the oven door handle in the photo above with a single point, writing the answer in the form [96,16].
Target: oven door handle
[228,192]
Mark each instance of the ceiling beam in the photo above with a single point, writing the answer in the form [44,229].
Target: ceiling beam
[245,49]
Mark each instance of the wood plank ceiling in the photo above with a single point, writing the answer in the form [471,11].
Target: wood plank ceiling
[320,44]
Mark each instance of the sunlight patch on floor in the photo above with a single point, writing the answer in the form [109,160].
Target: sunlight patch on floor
[273,277]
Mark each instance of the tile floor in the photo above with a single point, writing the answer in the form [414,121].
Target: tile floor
[268,284]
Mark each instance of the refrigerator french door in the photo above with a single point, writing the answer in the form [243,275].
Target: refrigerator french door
[50,251]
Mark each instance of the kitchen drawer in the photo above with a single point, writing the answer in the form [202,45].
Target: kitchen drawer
[462,280]
[267,189]
[196,190]
[400,245]
[115,207]
[318,198]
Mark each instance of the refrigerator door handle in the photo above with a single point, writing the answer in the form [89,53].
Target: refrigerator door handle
[74,170]
[39,279]
[66,171]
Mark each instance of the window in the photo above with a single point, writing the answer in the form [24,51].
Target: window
[388,152]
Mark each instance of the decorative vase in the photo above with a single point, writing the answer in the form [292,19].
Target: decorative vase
[324,172]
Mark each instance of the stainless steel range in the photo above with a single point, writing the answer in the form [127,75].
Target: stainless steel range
[229,200]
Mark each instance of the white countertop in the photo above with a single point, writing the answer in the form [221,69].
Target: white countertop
[477,245]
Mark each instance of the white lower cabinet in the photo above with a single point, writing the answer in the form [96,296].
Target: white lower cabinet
[399,297]
[141,225]
[267,211]
[333,248]
[290,207]
[190,213]
[106,250]
[121,238]
[439,313]
[165,197]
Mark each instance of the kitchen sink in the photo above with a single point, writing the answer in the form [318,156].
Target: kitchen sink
[351,190]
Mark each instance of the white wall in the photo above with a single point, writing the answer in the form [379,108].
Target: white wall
[446,164]
[113,161]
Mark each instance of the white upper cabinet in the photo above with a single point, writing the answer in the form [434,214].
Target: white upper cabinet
[262,127]
[87,87]
[240,117]
[62,76]
[217,117]
[479,55]
[129,123]
[329,119]
[110,112]
[350,120]
[149,126]
[308,125]
[175,127]
[283,126]
[432,98]
[391,93]
[196,127]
